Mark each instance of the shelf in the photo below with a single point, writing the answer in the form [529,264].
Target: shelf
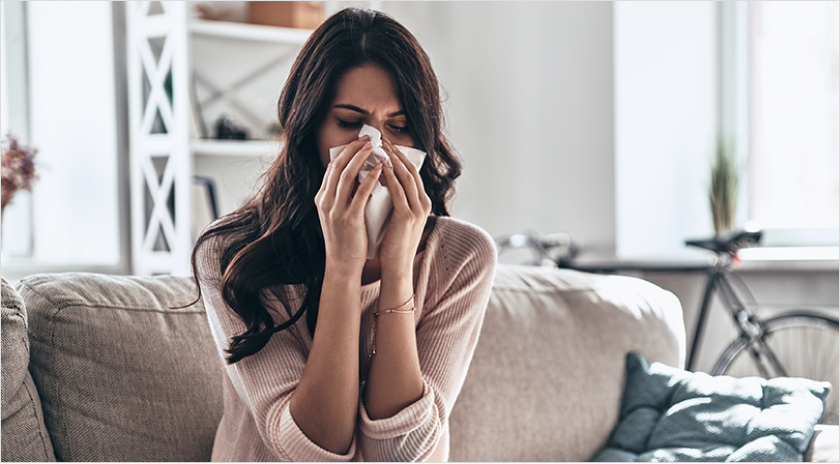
[224,51]
[753,260]
[252,32]
[236,148]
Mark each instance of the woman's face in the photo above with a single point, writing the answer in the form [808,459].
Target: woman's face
[364,95]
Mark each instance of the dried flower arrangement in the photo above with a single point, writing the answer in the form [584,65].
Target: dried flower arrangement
[18,169]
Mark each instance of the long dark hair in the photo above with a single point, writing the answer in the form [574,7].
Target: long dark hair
[276,237]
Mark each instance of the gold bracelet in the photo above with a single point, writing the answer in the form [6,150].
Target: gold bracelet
[398,309]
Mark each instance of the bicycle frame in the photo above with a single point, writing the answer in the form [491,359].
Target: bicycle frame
[718,278]
[712,277]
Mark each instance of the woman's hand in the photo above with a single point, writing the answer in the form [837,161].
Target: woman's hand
[408,219]
[341,211]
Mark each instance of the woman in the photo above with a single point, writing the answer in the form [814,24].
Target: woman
[373,369]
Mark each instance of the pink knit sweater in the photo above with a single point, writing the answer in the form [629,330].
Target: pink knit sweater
[452,280]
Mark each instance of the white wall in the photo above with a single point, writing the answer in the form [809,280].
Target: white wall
[665,121]
[595,118]
[529,107]
[590,117]
[73,125]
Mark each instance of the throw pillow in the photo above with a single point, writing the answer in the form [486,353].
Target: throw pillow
[123,374]
[668,414]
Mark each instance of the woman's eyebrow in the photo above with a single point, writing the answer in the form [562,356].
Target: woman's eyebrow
[359,110]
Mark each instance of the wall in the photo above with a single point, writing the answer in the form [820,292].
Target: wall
[666,117]
[588,117]
[528,89]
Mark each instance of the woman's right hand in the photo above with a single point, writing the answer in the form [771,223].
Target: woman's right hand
[341,211]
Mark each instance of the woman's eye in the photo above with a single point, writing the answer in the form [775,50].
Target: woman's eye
[400,129]
[349,124]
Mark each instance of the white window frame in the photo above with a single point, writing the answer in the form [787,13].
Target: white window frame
[734,108]
[17,266]
[15,116]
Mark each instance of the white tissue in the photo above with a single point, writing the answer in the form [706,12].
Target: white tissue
[379,207]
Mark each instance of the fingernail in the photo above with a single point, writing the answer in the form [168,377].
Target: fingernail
[367,145]
[365,137]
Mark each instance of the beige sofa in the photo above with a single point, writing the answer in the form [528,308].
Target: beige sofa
[99,368]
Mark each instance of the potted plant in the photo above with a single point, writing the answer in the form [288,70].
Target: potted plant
[723,187]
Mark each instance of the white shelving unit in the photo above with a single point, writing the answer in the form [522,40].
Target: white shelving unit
[233,148]
[162,39]
[252,32]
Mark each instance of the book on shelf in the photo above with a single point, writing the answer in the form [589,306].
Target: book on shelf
[198,128]
[204,207]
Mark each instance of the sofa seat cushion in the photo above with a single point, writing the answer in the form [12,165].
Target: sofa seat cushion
[668,414]
[546,379]
[123,376]
[24,435]
[825,446]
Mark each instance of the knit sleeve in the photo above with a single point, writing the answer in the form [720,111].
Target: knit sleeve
[447,334]
[265,382]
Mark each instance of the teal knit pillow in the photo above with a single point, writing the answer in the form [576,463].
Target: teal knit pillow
[669,414]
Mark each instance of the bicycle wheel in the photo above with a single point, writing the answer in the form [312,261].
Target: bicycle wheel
[805,345]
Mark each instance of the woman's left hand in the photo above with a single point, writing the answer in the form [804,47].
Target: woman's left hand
[408,219]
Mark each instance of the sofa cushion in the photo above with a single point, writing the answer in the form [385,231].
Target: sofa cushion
[668,414]
[546,379]
[123,376]
[825,446]
[24,435]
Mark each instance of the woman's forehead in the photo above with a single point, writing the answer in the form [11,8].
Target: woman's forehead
[368,87]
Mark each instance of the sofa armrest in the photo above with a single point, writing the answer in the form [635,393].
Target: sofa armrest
[546,380]
[24,435]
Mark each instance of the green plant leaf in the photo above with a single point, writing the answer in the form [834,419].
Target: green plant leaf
[723,187]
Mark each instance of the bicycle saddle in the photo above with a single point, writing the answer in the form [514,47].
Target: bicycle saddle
[730,243]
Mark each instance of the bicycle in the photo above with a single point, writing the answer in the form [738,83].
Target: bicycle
[795,343]
[553,250]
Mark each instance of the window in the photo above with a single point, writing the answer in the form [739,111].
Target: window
[4,101]
[686,72]
[794,145]
[17,217]
[73,220]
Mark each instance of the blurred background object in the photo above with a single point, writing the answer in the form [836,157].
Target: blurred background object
[723,187]
[211,13]
[228,129]
[556,249]
[18,169]
[304,15]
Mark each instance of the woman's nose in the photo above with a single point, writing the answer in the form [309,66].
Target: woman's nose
[380,126]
